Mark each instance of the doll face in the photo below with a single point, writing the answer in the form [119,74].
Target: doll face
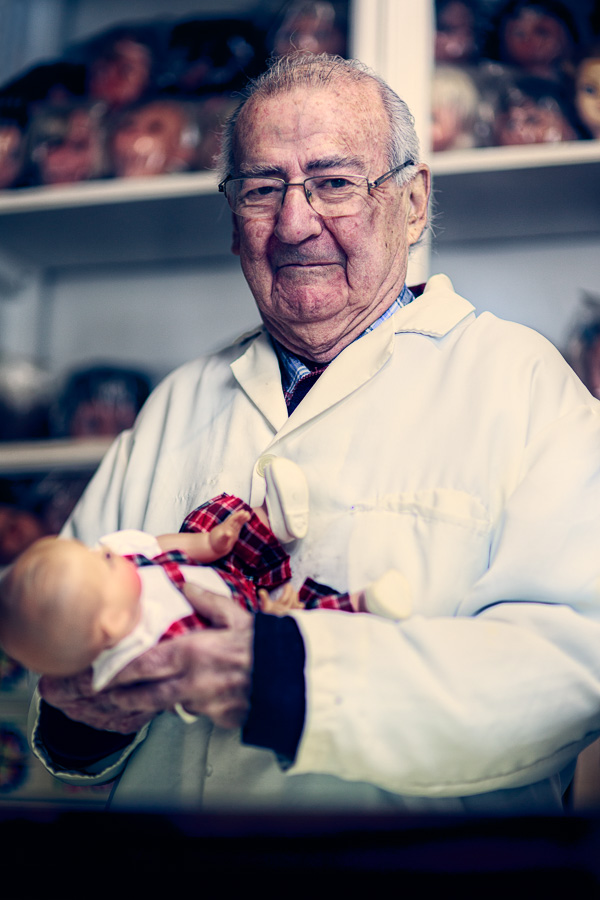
[11,156]
[587,95]
[310,27]
[77,157]
[533,123]
[455,34]
[534,39]
[121,76]
[149,142]
[117,584]
[446,127]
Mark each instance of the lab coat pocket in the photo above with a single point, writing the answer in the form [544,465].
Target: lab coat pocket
[437,538]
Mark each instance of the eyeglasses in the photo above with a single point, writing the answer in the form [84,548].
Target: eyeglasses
[256,197]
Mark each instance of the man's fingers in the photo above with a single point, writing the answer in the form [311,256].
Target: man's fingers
[221,612]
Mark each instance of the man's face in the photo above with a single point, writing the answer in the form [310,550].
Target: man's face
[318,282]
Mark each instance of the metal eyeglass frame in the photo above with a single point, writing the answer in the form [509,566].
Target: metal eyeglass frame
[286,184]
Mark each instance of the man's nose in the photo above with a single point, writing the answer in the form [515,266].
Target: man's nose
[296,220]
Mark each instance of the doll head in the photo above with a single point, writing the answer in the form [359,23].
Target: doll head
[538,37]
[121,70]
[533,111]
[157,138]
[61,604]
[587,91]
[12,146]
[67,144]
[454,109]
[455,34]
[313,26]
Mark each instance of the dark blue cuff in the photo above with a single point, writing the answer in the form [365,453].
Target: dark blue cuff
[278,694]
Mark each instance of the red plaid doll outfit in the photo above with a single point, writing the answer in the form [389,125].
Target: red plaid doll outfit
[257,561]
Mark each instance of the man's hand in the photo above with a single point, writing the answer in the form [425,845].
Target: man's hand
[207,672]
[75,697]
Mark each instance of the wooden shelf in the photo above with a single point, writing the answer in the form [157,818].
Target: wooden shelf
[20,458]
[504,193]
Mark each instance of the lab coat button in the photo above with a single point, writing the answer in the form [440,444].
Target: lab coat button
[263,462]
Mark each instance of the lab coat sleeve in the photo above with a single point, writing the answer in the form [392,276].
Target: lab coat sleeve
[505,692]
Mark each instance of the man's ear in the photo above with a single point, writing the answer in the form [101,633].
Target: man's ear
[235,235]
[418,198]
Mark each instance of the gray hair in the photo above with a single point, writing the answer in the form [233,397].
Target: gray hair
[318,70]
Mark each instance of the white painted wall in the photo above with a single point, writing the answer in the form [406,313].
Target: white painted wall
[536,282]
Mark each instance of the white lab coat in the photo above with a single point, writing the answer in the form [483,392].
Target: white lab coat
[458,449]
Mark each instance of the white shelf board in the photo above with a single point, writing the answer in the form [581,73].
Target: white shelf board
[513,193]
[69,455]
[499,159]
[162,219]
[114,191]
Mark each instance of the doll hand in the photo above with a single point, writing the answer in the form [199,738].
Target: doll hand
[288,599]
[75,697]
[205,672]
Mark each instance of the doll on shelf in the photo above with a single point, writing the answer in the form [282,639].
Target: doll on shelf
[538,37]
[312,26]
[66,144]
[587,92]
[456,39]
[121,66]
[155,138]
[12,153]
[64,606]
[533,111]
[455,107]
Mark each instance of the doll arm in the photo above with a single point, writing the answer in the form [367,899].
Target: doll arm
[206,547]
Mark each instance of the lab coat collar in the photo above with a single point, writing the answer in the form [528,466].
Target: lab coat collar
[435,313]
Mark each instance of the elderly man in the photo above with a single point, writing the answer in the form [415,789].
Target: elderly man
[459,450]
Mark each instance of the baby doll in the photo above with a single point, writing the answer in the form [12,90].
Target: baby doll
[66,144]
[64,606]
[154,138]
[537,37]
[454,109]
[587,92]
[12,155]
[533,111]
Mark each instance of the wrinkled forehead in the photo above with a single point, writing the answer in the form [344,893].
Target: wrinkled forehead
[343,113]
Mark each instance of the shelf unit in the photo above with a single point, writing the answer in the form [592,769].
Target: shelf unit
[503,193]
[29,457]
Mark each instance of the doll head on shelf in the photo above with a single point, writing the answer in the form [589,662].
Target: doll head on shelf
[66,144]
[313,26]
[121,70]
[156,138]
[12,153]
[456,31]
[538,37]
[454,109]
[62,604]
[209,56]
[533,111]
[583,345]
[587,91]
